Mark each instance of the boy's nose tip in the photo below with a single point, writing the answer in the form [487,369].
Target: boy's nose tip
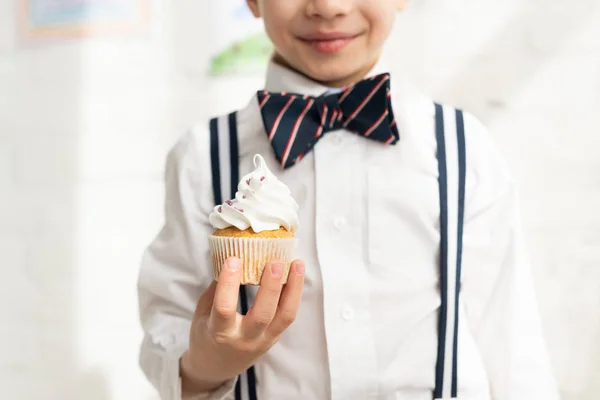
[329,9]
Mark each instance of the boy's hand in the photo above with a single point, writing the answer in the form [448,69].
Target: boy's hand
[223,343]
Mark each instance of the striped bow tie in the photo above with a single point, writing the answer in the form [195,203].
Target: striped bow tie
[295,123]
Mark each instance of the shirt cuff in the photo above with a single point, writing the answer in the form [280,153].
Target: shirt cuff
[225,392]
[171,382]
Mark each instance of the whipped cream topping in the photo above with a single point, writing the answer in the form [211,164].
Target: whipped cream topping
[262,203]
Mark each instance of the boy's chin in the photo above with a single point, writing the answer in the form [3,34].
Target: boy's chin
[338,74]
[334,72]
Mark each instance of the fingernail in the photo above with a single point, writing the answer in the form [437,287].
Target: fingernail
[233,264]
[277,269]
[300,268]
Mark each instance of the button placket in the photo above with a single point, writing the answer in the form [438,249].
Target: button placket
[339,240]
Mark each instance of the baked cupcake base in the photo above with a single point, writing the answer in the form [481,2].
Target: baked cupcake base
[254,250]
[280,233]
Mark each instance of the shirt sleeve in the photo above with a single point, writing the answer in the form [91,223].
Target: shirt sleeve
[175,268]
[497,287]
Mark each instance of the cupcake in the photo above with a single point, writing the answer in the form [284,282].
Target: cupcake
[257,226]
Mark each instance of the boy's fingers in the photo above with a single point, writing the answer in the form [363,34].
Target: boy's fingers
[224,308]
[289,302]
[262,312]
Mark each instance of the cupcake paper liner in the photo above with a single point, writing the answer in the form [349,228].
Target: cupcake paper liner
[254,253]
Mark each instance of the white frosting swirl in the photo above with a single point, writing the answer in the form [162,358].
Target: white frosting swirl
[262,203]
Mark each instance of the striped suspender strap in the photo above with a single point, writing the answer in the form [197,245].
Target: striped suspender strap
[224,158]
[452,173]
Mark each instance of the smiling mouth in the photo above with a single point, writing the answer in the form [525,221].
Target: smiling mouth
[328,43]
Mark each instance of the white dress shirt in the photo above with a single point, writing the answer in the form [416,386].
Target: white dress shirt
[369,235]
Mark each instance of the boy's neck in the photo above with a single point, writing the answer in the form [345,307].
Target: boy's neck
[359,75]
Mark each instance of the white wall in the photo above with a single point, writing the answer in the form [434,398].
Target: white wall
[85,126]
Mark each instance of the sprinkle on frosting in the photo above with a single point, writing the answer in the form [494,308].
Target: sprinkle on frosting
[262,203]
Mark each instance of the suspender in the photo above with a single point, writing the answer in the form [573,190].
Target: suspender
[452,173]
[224,157]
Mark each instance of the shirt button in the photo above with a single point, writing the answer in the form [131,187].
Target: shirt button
[347,313]
[337,139]
[339,223]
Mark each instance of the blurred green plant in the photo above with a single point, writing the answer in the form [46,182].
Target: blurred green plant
[246,56]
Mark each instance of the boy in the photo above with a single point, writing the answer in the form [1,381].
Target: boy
[373,313]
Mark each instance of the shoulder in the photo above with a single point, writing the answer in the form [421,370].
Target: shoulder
[484,157]
[192,146]
[203,152]
[487,166]
[188,167]
[488,172]
[203,136]
[488,175]
[243,125]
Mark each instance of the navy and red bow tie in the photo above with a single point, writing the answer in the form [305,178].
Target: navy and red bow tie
[294,123]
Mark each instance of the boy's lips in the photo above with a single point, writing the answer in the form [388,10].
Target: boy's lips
[328,42]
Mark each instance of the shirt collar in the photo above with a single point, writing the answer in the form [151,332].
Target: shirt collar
[283,79]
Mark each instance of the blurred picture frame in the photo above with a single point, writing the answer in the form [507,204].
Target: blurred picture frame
[44,20]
